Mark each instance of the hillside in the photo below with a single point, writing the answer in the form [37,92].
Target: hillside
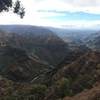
[18,66]
[37,62]
[74,78]
[94,41]
[89,94]
[37,41]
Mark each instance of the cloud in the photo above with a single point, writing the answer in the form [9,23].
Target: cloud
[83,3]
[90,6]
[53,13]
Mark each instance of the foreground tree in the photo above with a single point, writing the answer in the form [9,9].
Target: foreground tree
[16,7]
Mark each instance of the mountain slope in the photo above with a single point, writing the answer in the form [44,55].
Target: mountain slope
[18,66]
[72,79]
[94,41]
[37,41]
[92,94]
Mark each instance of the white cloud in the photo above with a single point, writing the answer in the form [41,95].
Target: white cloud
[83,3]
[36,18]
[91,6]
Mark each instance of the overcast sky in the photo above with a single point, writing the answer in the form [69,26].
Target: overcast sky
[70,13]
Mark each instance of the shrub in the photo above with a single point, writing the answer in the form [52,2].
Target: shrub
[39,90]
[63,87]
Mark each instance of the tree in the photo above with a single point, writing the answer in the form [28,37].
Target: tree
[16,7]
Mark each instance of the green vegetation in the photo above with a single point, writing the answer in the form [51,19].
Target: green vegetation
[63,87]
[38,90]
[20,91]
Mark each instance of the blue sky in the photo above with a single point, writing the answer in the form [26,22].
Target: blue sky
[72,16]
[57,13]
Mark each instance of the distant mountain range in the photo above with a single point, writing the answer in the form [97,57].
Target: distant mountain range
[37,41]
[40,47]
[50,63]
[94,41]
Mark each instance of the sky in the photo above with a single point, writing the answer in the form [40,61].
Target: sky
[57,13]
